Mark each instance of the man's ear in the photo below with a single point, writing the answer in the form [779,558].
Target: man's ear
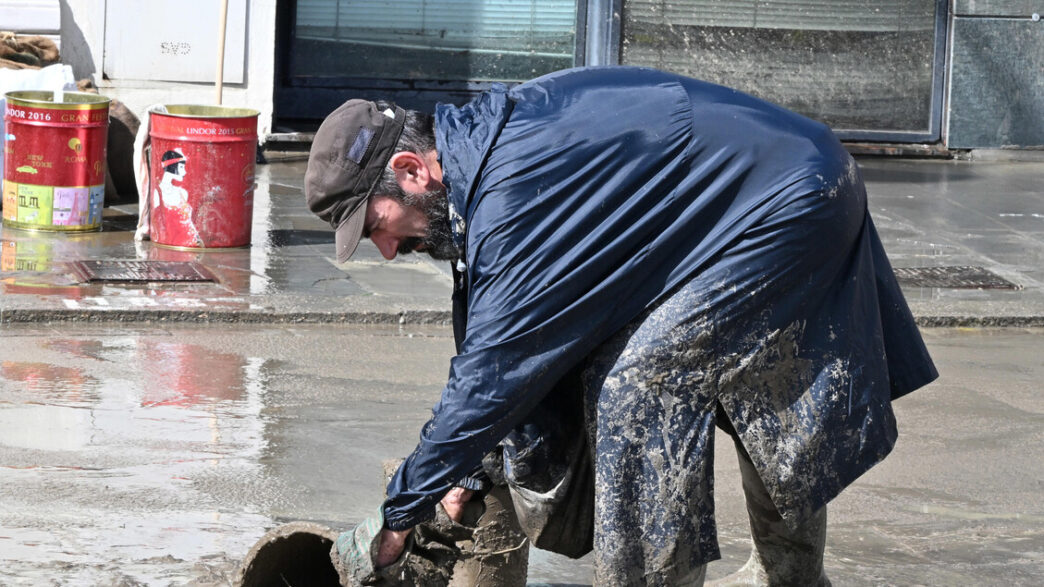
[411,171]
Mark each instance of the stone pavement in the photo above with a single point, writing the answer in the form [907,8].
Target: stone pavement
[931,214]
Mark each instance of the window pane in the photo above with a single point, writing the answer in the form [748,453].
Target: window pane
[853,64]
[473,40]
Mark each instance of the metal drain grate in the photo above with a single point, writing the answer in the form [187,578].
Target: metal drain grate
[961,277]
[137,271]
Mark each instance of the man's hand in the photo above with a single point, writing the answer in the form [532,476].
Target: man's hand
[454,502]
[392,541]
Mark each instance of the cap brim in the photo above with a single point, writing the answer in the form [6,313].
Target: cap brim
[349,233]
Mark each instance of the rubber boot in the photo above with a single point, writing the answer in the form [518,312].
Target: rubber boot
[781,555]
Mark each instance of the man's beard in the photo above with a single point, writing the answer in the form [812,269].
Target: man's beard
[438,242]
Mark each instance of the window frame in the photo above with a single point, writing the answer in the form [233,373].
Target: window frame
[314,98]
[605,46]
[598,42]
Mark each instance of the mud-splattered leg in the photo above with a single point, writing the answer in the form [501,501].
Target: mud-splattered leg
[650,415]
[781,555]
[499,554]
[654,514]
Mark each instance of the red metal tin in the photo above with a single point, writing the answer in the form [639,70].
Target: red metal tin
[202,172]
[54,160]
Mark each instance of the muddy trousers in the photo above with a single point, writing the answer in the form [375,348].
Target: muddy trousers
[780,555]
[650,422]
[651,406]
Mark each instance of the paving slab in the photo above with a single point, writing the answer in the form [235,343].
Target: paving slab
[964,213]
[931,213]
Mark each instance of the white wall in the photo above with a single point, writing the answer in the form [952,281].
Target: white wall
[83,45]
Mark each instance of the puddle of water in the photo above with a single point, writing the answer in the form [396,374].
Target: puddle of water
[162,548]
[152,448]
[186,374]
[44,427]
[50,380]
[81,349]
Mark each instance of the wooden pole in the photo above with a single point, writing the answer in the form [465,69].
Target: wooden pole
[221,49]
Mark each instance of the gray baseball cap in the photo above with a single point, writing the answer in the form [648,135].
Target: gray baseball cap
[349,153]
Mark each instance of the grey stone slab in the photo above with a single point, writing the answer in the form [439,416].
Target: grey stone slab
[998,7]
[1018,211]
[947,216]
[916,253]
[890,174]
[1029,221]
[960,179]
[997,90]
[1013,249]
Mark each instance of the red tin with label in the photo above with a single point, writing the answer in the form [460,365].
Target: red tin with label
[54,160]
[202,175]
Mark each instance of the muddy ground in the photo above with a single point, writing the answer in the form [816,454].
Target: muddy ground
[156,455]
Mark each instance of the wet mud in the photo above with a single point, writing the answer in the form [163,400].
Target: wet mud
[154,456]
[158,455]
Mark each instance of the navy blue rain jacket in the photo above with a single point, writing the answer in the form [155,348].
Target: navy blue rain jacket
[583,197]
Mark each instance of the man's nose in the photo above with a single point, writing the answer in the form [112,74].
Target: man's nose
[386,244]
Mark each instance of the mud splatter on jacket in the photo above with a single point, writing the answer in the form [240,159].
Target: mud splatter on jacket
[583,197]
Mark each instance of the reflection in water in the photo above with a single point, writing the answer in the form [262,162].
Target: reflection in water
[46,427]
[34,255]
[82,349]
[66,382]
[185,374]
[28,264]
[261,251]
[51,415]
[148,445]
